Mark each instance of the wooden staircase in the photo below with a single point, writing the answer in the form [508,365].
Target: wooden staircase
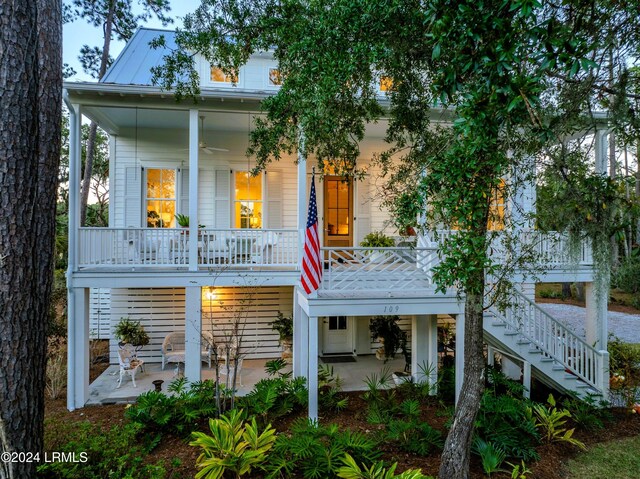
[558,357]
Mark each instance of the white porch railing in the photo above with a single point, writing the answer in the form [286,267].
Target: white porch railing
[555,340]
[378,269]
[169,248]
[552,247]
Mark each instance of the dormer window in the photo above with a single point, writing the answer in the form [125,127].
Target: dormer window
[275,77]
[217,75]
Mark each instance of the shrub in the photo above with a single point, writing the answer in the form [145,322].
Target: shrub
[624,358]
[551,420]
[234,445]
[627,275]
[179,413]
[491,455]
[315,452]
[351,470]
[275,396]
[330,397]
[114,452]
[56,372]
[587,412]
[414,436]
[504,418]
[382,402]
[284,326]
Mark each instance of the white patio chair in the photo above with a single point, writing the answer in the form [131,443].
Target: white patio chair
[174,351]
[227,369]
[129,363]
[263,248]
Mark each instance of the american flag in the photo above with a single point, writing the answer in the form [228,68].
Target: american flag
[311,264]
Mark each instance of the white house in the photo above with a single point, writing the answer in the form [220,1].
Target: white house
[170,158]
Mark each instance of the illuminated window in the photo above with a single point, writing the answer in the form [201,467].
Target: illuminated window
[496,209]
[275,78]
[386,84]
[337,207]
[217,75]
[161,198]
[248,200]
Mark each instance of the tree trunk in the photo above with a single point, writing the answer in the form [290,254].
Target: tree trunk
[457,449]
[93,127]
[30,112]
[566,290]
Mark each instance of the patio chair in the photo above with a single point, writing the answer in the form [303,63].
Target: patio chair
[129,363]
[263,248]
[174,351]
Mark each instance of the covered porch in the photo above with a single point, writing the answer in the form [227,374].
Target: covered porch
[104,389]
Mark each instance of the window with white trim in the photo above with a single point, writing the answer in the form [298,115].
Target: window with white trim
[217,75]
[248,202]
[161,197]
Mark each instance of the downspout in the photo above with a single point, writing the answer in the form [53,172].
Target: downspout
[74,118]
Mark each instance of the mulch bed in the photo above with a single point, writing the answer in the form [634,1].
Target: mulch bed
[551,465]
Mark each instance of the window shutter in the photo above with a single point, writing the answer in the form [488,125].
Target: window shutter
[183,199]
[222,199]
[132,199]
[274,199]
[362,209]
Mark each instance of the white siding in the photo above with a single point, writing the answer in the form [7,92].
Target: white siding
[289,193]
[162,310]
[100,313]
[273,200]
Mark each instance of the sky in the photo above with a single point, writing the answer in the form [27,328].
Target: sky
[79,33]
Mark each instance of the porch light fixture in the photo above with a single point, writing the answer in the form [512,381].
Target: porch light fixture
[211,294]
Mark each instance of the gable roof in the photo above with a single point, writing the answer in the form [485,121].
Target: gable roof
[133,65]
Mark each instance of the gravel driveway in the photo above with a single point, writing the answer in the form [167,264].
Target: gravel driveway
[623,325]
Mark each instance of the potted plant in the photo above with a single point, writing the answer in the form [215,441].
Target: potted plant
[386,331]
[183,221]
[131,332]
[377,239]
[284,326]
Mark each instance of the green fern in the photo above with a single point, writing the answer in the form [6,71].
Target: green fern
[551,421]
[233,446]
[351,470]
[492,456]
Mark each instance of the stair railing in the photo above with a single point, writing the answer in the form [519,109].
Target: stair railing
[556,341]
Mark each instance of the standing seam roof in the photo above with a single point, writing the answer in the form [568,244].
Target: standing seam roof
[133,65]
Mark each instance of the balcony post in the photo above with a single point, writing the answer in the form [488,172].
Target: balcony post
[193,189]
[193,332]
[313,368]
[300,338]
[601,151]
[302,193]
[75,153]
[596,321]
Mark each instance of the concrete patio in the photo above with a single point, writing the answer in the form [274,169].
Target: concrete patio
[103,389]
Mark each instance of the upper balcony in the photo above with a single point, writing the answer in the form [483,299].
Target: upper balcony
[397,271]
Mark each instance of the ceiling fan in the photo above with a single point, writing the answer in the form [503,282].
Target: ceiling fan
[209,150]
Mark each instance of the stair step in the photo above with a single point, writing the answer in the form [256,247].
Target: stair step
[570,376]
[511,333]
[558,367]
[499,324]
[547,360]
[536,351]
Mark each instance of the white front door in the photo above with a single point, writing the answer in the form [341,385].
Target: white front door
[336,335]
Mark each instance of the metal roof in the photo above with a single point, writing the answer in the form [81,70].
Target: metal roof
[133,65]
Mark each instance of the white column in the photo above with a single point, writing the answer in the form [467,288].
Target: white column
[193,189]
[419,346]
[75,154]
[193,333]
[459,354]
[491,355]
[601,151]
[313,368]
[432,354]
[300,339]
[302,193]
[526,378]
[596,320]
[78,354]
[74,215]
